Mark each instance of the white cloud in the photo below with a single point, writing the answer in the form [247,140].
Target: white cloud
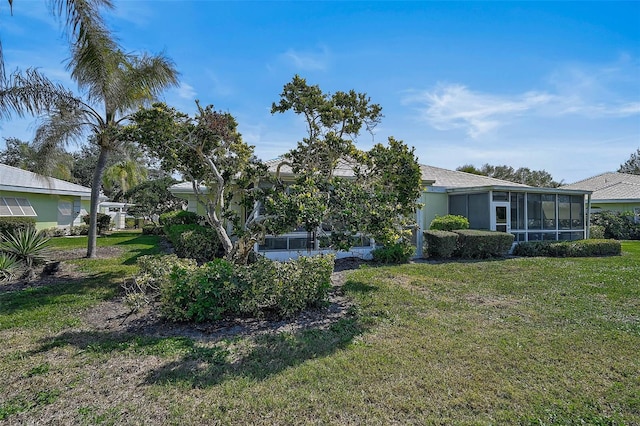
[186,91]
[308,60]
[454,106]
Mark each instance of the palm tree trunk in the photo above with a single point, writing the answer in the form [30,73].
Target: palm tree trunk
[95,200]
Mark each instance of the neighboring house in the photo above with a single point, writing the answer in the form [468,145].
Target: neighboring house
[530,213]
[619,192]
[117,211]
[51,202]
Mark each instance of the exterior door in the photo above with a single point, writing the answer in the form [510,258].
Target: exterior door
[500,217]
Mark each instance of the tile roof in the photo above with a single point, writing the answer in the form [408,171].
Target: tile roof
[610,186]
[456,179]
[15,179]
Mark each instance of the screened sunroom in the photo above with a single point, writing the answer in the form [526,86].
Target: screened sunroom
[536,214]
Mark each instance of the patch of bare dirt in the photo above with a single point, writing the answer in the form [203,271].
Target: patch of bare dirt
[114,316]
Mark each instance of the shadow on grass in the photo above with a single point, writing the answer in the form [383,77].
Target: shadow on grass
[202,365]
[60,292]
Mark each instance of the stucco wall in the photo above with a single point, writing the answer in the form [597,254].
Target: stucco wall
[615,207]
[435,204]
[45,206]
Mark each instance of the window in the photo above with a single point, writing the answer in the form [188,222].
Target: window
[636,214]
[10,206]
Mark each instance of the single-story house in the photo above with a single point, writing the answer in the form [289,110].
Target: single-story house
[618,192]
[530,213]
[51,202]
[117,211]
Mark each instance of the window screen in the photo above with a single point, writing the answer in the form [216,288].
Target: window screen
[10,206]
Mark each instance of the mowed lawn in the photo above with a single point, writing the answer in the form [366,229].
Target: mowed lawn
[521,341]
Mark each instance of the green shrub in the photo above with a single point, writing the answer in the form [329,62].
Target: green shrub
[9,267]
[474,244]
[396,253]
[204,293]
[129,222]
[194,241]
[179,217]
[596,232]
[10,224]
[449,222]
[220,288]
[29,247]
[617,225]
[154,271]
[151,229]
[79,230]
[55,232]
[579,248]
[103,222]
[440,244]
[284,288]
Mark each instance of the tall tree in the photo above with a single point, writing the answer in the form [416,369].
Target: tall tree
[81,18]
[125,173]
[524,175]
[25,156]
[632,165]
[112,83]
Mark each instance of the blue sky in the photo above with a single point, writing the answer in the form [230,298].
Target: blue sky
[544,85]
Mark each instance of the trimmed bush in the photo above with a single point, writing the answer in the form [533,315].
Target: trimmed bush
[284,288]
[474,244]
[440,244]
[8,225]
[579,248]
[178,217]
[195,242]
[219,288]
[204,293]
[449,222]
[395,253]
[151,229]
[104,222]
[55,232]
[79,230]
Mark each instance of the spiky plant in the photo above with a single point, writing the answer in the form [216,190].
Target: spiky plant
[27,245]
[9,267]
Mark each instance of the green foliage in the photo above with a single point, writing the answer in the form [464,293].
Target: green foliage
[284,288]
[151,229]
[55,232]
[9,267]
[596,232]
[396,253]
[580,248]
[153,198]
[474,244]
[28,246]
[617,225]
[632,165]
[178,217]
[539,178]
[79,230]
[9,225]
[103,223]
[196,242]
[449,223]
[440,244]
[154,272]
[220,288]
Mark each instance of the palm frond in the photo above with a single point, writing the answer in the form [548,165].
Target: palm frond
[32,93]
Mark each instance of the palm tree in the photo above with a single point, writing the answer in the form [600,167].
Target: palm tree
[82,18]
[126,173]
[112,84]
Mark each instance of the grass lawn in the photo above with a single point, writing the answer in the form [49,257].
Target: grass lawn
[527,341]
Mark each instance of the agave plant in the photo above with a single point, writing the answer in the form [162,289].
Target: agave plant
[27,245]
[9,267]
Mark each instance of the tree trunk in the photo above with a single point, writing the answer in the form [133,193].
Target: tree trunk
[95,200]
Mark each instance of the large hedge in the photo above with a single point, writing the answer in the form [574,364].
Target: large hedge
[265,288]
[440,244]
[474,244]
[579,248]
[617,225]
